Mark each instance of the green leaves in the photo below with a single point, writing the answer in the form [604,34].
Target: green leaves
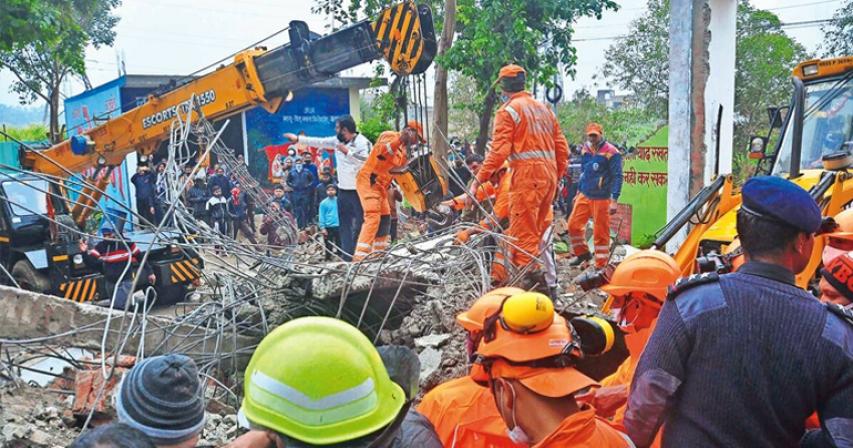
[42,56]
[838,40]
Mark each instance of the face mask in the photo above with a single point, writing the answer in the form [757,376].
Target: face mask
[516,434]
[298,167]
[341,137]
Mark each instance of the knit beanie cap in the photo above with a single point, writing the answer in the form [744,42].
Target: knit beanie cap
[161,397]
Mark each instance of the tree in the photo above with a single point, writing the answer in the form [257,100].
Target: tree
[839,33]
[765,57]
[462,112]
[639,62]
[42,64]
[378,112]
[26,21]
[440,101]
[628,125]
[535,34]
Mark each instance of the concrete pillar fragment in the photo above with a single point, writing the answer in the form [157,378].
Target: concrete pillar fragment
[701,78]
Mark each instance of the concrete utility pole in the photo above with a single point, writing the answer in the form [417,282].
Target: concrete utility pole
[701,79]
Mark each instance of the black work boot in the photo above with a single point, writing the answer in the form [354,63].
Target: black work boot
[580,259]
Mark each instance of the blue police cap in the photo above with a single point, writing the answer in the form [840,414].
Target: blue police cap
[781,200]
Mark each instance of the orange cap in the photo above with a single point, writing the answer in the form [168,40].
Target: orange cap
[472,319]
[414,124]
[548,382]
[510,71]
[522,347]
[648,271]
[594,128]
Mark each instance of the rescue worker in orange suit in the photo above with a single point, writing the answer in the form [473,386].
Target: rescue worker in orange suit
[528,352]
[462,410]
[600,186]
[498,190]
[527,135]
[637,289]
[372,183]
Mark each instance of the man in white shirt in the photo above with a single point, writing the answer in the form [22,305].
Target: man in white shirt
[351,150]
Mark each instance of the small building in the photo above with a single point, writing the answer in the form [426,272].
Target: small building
[609,99]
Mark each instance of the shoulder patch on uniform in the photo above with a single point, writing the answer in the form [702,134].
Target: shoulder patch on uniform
[845,314]
[685,283]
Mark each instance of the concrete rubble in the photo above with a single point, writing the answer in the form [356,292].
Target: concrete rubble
[408,296]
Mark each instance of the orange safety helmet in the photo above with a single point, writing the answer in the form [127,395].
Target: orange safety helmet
[472,319]
[648,271]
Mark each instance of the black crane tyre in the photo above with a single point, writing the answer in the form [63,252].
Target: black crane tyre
[29,278]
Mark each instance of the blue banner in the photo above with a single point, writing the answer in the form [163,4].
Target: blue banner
[313,111]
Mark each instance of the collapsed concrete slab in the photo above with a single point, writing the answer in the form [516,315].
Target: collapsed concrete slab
[25,315]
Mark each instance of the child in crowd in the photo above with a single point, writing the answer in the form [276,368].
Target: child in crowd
[329,222]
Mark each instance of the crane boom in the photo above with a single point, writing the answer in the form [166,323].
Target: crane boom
[403,34]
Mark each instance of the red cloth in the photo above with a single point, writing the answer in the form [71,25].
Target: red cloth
[273,151]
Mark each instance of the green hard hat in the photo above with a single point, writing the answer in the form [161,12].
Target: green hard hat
[321,381]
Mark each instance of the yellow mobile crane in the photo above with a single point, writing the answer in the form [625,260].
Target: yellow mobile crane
[41,259]
[814,149]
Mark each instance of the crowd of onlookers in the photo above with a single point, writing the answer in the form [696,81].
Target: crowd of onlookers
[304,194]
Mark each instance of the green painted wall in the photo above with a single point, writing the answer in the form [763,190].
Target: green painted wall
[644,191]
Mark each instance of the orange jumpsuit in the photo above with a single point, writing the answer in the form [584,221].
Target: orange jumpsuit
[636,342]
[464,415]
[372,183]
[484,191]
[584,430]
[500,213]
[528,136]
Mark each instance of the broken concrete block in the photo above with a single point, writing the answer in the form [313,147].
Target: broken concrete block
[431,340]
[39,438]
[430,361]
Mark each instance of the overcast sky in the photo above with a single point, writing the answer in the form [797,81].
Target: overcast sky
[181,36]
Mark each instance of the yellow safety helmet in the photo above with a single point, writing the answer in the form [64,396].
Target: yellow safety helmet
[319,380]
[528,312]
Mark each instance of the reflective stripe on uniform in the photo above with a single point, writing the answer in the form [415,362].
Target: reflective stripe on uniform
[512,113]
[287,401]
[531,155]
